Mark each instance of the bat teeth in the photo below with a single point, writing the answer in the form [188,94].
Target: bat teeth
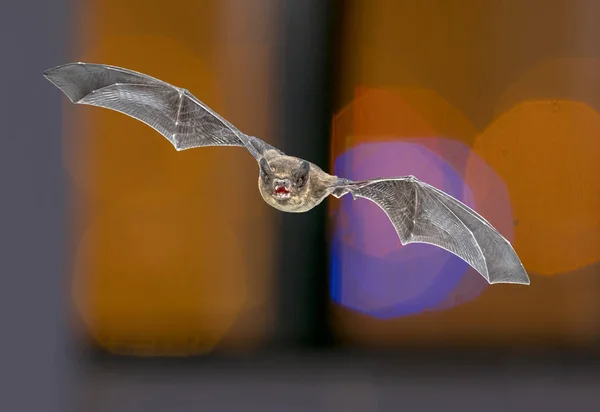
[281,192]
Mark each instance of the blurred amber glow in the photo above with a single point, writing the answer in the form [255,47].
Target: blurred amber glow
[149,276]
[547,153]
[571,79]
[406,112]
[167,261]
[532,119]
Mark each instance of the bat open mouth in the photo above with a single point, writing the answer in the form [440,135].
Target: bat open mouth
[281,192]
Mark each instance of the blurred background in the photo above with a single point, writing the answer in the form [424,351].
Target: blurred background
[137,278]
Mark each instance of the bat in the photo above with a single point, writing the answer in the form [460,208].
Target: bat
[419,212]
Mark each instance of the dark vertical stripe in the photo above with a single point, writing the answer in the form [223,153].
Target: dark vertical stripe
[32,207]
[305,96]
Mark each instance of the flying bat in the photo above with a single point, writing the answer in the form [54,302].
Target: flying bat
[419,212]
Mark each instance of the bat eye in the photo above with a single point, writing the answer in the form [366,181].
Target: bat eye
[300,181]
[264,175]
[301,173]
[265,170]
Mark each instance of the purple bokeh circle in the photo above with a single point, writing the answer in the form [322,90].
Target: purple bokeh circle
[371,272]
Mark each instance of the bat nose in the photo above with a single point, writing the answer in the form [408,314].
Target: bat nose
[281,182]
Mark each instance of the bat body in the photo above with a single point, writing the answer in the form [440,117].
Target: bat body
[420,213]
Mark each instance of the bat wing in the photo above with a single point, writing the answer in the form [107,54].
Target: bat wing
[172,111]
[422,213]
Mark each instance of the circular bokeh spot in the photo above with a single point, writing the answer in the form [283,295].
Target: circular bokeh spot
[371,271]
[547,152]
[399,114]
[152,277]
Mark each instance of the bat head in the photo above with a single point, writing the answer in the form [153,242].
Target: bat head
[284,182]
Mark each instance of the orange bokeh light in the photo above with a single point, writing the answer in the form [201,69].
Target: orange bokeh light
[145,276]
[547,153]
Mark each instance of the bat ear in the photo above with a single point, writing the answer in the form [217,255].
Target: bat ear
[301,173]
[265,168]
[303,169]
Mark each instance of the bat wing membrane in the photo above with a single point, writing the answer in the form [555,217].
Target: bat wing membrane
[172,111]
[422,213]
